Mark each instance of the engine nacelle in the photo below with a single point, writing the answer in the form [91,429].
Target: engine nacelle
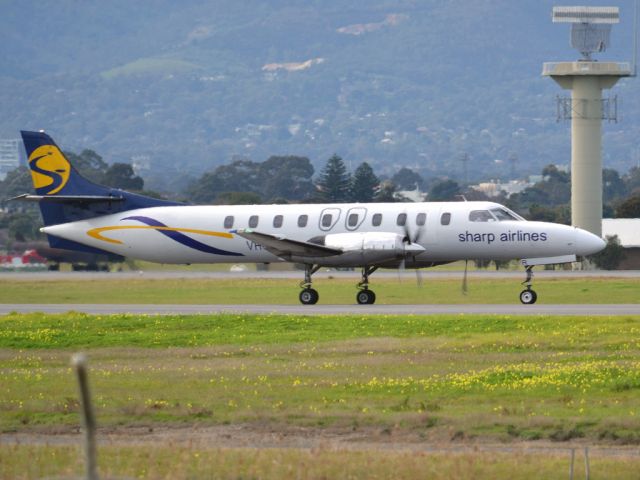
[366,241]
[363,248]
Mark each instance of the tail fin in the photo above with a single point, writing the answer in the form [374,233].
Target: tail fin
[51,172]
[64,195]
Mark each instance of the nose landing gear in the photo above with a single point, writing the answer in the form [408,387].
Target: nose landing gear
[528,296]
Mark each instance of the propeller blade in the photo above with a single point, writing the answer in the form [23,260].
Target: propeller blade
[401,270]
[464,278]
[412,248]
[407,230]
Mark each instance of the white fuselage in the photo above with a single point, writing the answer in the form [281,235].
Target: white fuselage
[206,234]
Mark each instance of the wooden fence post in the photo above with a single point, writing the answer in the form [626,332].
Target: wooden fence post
[79,362]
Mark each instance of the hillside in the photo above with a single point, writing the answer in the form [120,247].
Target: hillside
[183,87]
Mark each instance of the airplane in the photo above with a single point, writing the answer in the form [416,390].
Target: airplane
[81,215]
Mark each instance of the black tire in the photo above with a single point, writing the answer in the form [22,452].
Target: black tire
[308,296]
[365,297]
[528,297]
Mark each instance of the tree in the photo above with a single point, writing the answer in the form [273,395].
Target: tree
[407,179]
[444,190]
[632,180]
[278,178]
[610,257]
[24,226]
[286,177]
[121,175]
[629,208]
[238,198]
[613,187]
[238,176]
[89,164]
[364,184]
[17,182]
[553,190]
[334,184]
[557,214]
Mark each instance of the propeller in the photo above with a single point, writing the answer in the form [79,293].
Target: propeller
[413,242]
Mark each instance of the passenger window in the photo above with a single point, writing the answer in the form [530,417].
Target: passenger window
[253,221]
[421,219]
[376,220]
[327,220]
[401,220]
[302,220]
[445,219]
[277,221]
[228,221]
[353,220]
[480,216]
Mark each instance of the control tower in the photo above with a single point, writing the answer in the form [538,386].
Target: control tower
[586,78]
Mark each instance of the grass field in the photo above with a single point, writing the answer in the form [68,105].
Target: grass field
[177,462]
[396,379]
[332,290]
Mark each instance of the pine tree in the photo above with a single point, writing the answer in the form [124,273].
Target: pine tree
[334,184]
[365,184]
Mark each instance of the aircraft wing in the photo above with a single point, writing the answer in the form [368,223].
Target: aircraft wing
[286,248]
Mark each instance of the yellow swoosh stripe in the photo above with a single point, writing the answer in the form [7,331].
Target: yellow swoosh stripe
[97,232]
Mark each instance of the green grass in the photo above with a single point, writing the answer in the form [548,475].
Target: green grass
[180,462]
[387,379]
[332,290]
[430,377]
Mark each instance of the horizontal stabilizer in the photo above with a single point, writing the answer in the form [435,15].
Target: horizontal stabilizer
[286,248]
[25,197]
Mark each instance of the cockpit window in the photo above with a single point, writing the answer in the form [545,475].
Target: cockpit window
[502,214]
[481,216]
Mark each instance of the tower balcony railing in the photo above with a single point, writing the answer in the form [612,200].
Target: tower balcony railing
[621,69]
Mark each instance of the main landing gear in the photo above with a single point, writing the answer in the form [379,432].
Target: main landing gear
[308,296]
[528,296]
[364,295]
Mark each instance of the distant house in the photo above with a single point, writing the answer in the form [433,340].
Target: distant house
[628,231]
[412,195]
[495,188]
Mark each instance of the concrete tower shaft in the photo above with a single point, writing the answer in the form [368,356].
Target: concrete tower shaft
[586,80]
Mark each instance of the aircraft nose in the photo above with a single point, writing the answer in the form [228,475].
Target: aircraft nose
[587,243]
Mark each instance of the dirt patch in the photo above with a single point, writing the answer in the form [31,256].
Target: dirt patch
[268,437]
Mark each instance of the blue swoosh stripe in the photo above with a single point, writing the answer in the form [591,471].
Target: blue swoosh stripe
[182,238]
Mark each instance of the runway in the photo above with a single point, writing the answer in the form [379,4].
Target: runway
[426,274]
[481,309]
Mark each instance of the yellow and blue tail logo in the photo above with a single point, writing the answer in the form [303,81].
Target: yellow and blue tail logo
[50,169]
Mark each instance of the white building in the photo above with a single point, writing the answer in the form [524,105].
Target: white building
[10,155]
[628,232]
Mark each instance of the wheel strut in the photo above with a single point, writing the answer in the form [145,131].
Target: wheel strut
[528,296]
[308,296]
[366,271]
[364,295]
